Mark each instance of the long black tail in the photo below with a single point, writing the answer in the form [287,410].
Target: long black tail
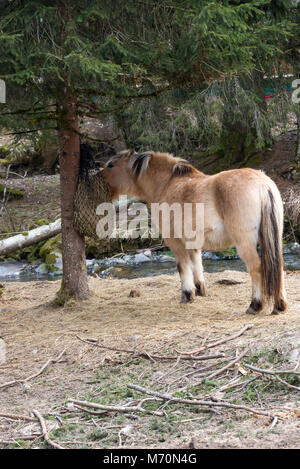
[270,239]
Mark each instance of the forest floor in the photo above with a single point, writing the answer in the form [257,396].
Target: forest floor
[146,340]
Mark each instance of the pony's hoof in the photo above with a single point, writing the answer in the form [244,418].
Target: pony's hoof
[200,290]
[186,297]
[280,308]
[276,311]
[251,311]
[255,307]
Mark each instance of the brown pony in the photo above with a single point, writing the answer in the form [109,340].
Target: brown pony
[241,207]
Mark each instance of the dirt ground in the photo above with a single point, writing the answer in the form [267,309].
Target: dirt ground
[155,323]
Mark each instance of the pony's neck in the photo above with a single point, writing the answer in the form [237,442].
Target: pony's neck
[152,184]
[150,187]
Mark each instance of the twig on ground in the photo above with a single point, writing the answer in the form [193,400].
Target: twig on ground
[218,342]
[275,420]
[195,372]
[44,430]
[171,370]
[226,367]
[17,417]
[19,437]
[151,356]
[113,408]
[291,386]
[171,398]
[25,380]
[275,373]
[271,372]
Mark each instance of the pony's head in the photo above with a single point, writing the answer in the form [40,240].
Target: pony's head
[138,174]
[122,171]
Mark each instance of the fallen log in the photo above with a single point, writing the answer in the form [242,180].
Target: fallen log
[28,238]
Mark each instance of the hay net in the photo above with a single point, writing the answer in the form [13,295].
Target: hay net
[91,191]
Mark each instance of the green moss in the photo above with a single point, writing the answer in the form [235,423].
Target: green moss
[63,295]
[226,253]
[97,435]
[52,244]
[50,258]
[3,150]
[41,221]
[13,193]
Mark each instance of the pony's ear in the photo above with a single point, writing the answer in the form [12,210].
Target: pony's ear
[139,163]
[126,153]
[181,168]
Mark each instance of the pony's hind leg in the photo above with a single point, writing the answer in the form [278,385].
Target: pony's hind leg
[280,304]
[196,258]
[248,253]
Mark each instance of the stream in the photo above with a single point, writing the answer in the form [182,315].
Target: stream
[144,264]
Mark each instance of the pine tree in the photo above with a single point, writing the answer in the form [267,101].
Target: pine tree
[63,60]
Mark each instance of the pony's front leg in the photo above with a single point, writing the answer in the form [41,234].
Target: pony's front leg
[196,258]
[185,269]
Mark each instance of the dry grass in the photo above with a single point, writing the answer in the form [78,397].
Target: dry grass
[35,331]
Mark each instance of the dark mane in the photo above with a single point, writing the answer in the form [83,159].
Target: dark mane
[182,168]
[139,163]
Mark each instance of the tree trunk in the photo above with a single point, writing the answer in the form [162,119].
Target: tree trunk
[74,282]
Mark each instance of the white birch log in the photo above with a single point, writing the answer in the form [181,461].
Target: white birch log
[28,238]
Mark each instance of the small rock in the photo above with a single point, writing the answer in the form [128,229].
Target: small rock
[42,269]
[134,293]
[148,253]
[166,259]
[90,262]
[141,258]
[58,262]
[119,260]
[295,247]
[134,338]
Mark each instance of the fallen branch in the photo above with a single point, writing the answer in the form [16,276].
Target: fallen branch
[17,438]
[226,367]
[218,342]
[25,239]
[22,381]
[45,431]
[151,356]
[271,372]
[17,417]
[275,373]
[171,398]
[200,371]
[113,408]
[291,386]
